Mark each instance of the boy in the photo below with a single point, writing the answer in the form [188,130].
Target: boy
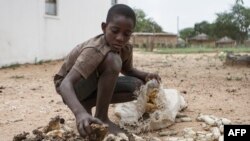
[90,74]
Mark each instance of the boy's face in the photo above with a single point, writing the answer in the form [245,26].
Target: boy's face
[117,32]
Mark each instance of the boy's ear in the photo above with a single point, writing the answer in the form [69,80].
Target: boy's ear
[104,25]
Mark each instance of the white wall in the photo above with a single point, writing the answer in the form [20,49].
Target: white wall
[123,1]
[19,38]
[78,20]
[27,34]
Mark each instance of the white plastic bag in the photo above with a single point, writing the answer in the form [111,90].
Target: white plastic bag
[155,108]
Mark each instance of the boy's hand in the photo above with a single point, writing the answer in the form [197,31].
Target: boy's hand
[151,76]
[83,122]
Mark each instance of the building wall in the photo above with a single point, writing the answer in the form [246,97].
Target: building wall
[167,40]
[226,44]
[19,40]
[247,43]
[210,43]
[123,1]
[28,35]
[157,41]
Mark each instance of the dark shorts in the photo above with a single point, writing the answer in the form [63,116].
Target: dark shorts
[87,88]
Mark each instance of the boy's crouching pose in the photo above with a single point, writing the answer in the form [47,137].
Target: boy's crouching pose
[90,74]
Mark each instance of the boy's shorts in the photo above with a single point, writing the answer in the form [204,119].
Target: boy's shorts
[87,88]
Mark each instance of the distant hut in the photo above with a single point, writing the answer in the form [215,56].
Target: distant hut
[201,39]
[225,41]
[247,42]
[181,42]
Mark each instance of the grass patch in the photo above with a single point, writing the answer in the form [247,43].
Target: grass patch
[198,49]
[12,66]
[42,62]
[17,77]
[16,65]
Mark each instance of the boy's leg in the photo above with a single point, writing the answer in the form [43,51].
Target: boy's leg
[109,71]
[84,88]
[124,91]
[125,88]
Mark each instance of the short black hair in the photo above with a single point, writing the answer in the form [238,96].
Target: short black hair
[121,9]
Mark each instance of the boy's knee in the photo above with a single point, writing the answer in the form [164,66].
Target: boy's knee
[112,63]
[138,82]
[128,84]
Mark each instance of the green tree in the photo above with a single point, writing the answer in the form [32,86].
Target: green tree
[241,18]
[144,24]
[205,27]
[239,2]
[235,24]
[224,26]
[187,33]
[201,27]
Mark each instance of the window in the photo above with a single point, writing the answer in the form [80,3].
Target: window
[51,7]
[113,2]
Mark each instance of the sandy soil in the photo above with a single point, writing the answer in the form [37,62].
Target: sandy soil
[28,99]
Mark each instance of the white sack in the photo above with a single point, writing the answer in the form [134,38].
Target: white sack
[155,108]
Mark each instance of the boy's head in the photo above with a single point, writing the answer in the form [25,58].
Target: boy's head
[121,9]
[119,25]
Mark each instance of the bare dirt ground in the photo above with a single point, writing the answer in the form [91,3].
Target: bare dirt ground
[28,98]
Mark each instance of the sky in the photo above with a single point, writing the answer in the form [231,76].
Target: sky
[165,12]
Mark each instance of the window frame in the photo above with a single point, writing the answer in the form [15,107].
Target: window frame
[114,2]
[54,11]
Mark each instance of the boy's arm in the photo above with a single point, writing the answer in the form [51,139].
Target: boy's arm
[129,70]
[144,76]
[83,119]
